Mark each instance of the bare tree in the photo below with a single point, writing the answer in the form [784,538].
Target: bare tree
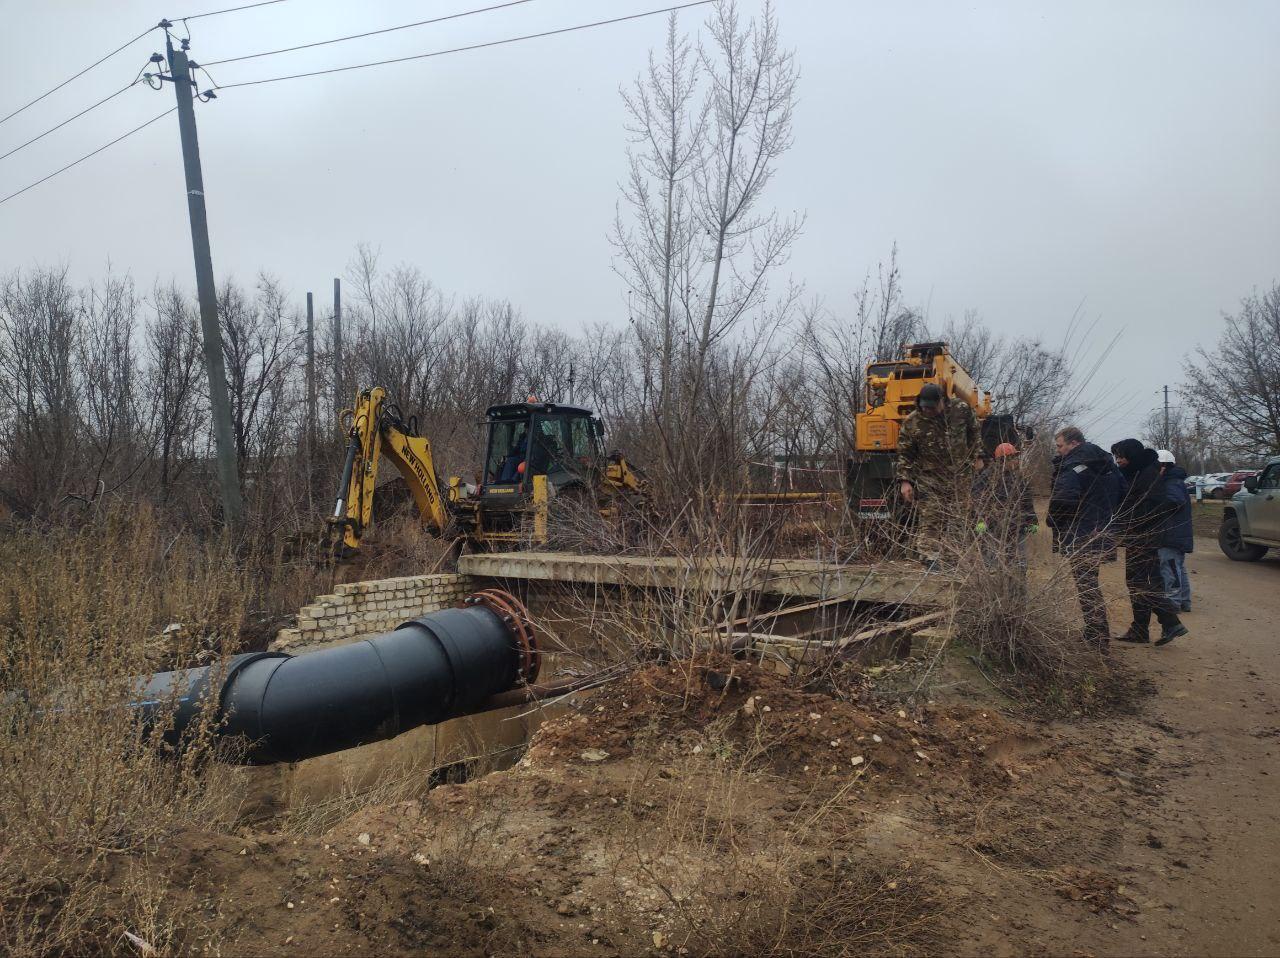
[174,384]
[1236,385]
[111,428]
[261,349]
[838,348]
[1183,432]
[708,127]
[1029,380]
[39,328]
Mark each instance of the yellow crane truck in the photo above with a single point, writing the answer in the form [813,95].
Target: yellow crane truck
[535,452]
[892,386]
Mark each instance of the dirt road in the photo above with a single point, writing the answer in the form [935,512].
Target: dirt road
[1206,846]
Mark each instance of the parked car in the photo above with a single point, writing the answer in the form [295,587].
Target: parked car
[1251,521]
[1234,483]
[1212,482]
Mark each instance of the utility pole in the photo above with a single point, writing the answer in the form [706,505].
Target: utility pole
[339,397]
[311,383]
[219,402]
[1168,440]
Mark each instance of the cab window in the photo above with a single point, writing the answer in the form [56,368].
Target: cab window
[506,451]
[548,444]
[1270,478]
[580,445]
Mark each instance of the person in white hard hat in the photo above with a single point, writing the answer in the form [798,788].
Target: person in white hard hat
[1177,537]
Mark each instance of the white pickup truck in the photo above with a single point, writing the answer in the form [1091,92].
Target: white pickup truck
[1251,518]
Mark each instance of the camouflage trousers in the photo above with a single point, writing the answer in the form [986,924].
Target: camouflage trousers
[941,524]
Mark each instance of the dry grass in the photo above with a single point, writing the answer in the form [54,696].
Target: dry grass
[85,791]
[723,866]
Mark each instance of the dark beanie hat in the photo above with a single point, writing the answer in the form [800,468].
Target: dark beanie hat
[1129,449]
[930,395]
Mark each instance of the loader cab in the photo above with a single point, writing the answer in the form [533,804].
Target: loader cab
[537,439]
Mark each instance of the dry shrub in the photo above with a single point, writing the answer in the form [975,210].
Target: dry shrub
[739,869]
[1022,619]
[1015,605]
[696,579]
[400,780]
[85,793]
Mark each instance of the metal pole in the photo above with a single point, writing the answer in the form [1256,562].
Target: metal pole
[311,383]
[1167,437]
[338,395]
[219,402]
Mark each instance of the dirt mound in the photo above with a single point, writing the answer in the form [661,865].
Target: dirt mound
[268,894]
[701,807]
[793,732]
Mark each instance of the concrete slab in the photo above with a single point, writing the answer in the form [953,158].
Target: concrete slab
[898,583]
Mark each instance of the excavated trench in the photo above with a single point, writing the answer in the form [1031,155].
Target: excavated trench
[583,627]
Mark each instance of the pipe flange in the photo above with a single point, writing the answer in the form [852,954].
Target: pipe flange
[516,618]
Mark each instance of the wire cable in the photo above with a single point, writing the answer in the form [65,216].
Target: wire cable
[87,155]
[474,46]
[371,33]
[88,109]
[215,13]
[78,75]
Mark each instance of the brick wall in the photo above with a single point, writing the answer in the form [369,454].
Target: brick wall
[358,609]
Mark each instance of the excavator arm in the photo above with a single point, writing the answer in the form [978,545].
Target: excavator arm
[377,430]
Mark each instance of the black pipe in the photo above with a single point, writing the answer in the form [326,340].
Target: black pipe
[291,707]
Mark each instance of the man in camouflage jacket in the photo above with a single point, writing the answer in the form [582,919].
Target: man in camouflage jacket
[939,447]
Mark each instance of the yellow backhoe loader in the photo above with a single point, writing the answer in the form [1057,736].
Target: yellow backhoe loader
[535,453]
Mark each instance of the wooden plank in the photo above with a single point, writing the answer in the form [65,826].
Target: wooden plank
[742,639]
[790,610]
[892,628]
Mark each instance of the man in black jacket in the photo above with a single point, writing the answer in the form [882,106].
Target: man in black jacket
[1086,491]
[1144,514]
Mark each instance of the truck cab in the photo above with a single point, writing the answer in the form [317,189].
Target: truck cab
[1251,518]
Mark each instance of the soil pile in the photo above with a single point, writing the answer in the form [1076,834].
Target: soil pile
[688,808]
[798,734]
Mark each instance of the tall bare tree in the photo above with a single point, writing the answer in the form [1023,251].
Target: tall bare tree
[39,329]
[173,375]
[1236,385]
[697,246]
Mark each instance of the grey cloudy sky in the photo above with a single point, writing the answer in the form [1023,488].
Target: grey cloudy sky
[1029,158]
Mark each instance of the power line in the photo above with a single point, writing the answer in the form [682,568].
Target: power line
[371,33]
[78,75]
[474,46]
[88,155]
[51,129]
[215,13]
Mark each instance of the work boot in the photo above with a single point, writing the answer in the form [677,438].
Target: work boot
[1171,632]
[1186,607]
[1136,634]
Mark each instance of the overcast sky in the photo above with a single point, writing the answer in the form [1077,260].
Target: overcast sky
[1030,159]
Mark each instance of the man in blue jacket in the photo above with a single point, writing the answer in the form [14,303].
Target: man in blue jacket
[1177,538]
[1087,488]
